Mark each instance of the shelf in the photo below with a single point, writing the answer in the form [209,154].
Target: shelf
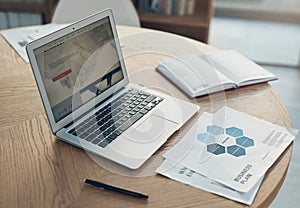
[194,26]
[44,7]
[189,21]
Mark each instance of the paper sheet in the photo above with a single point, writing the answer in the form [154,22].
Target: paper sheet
[18,38]
[231,147]
[190,177]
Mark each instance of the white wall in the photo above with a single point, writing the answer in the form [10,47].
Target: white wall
[276,10]
[14,19]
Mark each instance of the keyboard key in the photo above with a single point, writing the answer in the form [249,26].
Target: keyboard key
[86,126]
[136,102]
[117,133]
[103,143]
[90,137]
[100,123]
[111,122]
[144,111]
[146,94]
[110,138]
[133,98]
[106,125]
[144,103]
[150,106]
[132,105]
[90,130]
[132,113]
[131,121]
[98,139]
[71,131]
[150,98]
[117,110]
[129,108]
[80,130]
[147,108]
[95,126]
[106,133]
[83,135]
[112,128]
[156,101]
[103,128]
[118,123]
[91,122]
[140,100]
[139,107]
[98,132]
[137,95]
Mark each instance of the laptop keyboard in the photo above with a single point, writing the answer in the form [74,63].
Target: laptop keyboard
[109,122]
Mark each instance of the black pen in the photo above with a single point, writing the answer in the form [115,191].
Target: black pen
[115,189]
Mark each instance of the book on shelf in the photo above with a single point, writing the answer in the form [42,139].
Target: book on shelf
[190,7]
[182,7]
[186,7]
[167,7]
[155,6]
[198,75]
[149,6]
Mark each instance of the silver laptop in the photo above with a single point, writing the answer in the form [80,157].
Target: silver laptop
[83,83]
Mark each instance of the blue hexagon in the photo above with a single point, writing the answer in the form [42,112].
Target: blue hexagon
[215,130]
[245,141]
[216,149]
[206,138]
[234,132]
[236,150]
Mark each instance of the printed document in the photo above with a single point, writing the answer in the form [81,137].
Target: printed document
[18,38]
[231,148]
[180,173]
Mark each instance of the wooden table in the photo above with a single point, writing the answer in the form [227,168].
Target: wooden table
[37,170]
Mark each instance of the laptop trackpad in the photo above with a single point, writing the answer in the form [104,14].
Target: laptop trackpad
[153,129]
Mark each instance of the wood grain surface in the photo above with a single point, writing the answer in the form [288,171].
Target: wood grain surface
[37,170]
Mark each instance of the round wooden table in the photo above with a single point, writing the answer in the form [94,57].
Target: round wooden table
[37,170]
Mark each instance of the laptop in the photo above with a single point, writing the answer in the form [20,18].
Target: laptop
[89,102]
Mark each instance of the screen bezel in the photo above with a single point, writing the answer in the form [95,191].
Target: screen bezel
[55,126]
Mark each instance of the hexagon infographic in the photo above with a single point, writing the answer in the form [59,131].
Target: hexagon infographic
[245,141]
[236,149]
[216,149]
[234,132]
[206,138]
[215,130]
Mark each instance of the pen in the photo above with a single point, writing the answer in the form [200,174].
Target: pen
[115,189]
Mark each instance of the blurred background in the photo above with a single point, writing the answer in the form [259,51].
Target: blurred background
[266,31]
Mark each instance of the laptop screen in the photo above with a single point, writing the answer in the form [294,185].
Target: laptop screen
[79,66]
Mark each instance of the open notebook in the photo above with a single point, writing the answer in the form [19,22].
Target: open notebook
[200,75]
